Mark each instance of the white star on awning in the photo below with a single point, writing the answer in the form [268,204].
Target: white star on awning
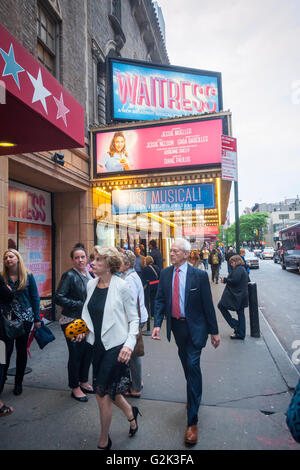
[40,92]
[62,110]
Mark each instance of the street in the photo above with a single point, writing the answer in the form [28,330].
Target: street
[279,300]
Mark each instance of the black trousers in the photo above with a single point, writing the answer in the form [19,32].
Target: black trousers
[21,357]
[215,269]
[80,359]
[190,359]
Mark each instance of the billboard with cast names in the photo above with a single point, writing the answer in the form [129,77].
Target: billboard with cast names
[163,146]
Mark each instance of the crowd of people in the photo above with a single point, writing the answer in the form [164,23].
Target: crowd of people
[113,292]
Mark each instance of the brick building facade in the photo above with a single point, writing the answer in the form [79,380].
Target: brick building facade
[72,40]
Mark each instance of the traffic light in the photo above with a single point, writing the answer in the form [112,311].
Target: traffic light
[58,158]
[255,231]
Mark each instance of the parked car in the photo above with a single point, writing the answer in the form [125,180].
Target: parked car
[251,259]
[290,259]
[268,253]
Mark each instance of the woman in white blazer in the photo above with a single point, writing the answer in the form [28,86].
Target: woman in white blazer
[112,319]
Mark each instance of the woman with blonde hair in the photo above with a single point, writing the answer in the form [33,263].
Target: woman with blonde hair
[112,319]
[22,283]
[116,159]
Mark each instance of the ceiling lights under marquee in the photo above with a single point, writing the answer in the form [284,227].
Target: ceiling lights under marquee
[206,217]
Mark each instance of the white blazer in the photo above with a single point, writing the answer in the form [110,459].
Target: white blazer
[120,318]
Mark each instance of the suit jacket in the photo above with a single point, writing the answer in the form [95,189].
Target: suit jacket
[199,309]
[120,318]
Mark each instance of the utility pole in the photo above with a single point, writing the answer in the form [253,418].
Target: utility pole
[237,217]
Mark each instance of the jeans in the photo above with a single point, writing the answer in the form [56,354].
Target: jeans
[136,370]
[205,262]
[239,326]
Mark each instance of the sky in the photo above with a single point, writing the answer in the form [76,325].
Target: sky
[256,47]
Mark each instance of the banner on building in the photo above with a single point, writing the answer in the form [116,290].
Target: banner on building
[171,198]
[140,90]
[201,230]
[27,204]
[180,144]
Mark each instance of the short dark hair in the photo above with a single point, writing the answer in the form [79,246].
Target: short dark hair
[152,243]
[78,246]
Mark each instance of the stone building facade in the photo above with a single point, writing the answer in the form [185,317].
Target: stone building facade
[72,39]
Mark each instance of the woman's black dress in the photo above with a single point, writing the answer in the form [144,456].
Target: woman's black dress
[110,377]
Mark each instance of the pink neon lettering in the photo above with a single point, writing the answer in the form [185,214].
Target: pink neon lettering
[185,103]
[173,98]
[143,93]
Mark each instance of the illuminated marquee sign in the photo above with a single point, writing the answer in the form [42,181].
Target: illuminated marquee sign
[175,145]
[145,91]
[172,198]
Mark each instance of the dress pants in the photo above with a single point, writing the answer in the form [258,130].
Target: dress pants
[239,326]
[80,358]
[190,359]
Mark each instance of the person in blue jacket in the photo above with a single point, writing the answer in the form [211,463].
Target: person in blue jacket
[293,414]
[23,284]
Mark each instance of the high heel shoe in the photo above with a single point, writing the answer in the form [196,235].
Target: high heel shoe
[135,412]
[109,443]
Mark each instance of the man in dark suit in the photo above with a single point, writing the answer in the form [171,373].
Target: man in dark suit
[184,296]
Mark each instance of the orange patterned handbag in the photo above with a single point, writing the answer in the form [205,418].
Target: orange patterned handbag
[77,327]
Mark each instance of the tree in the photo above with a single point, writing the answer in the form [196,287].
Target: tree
[251,228]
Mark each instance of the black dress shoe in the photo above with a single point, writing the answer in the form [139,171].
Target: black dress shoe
[81,399]
[18,390]
[85,390]
[135,412]
[235,336]
[109,443]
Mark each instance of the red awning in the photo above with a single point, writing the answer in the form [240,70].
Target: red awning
[36,112]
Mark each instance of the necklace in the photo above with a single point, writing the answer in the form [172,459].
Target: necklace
[103,283]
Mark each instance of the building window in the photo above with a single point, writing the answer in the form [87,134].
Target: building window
[297,215]
[46,33]
[284,216]
[116,9]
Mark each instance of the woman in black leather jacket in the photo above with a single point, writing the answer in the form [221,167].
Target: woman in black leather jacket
[71,295]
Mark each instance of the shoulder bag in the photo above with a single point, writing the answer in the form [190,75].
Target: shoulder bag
[139,345]
[13,328]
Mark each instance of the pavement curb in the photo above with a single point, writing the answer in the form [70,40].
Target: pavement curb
[284,364]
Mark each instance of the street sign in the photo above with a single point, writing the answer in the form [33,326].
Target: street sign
[229,158]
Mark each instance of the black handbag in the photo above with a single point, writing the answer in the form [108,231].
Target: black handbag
[43,335]
[13,328]
[139,345]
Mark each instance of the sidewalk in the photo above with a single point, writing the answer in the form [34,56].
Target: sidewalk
[245,395]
